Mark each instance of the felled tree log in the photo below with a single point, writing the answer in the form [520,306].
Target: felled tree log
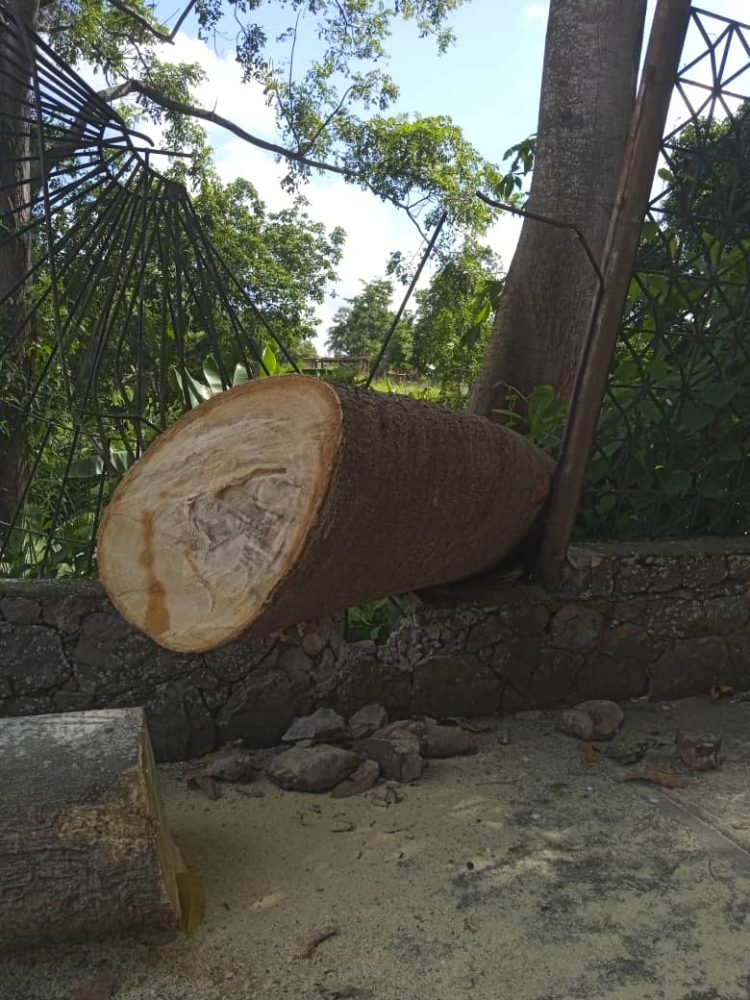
[288,499]
[83,846]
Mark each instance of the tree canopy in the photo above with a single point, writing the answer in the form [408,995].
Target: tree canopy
[332,108]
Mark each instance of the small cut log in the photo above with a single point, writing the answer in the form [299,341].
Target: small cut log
[288,499]
[83,846]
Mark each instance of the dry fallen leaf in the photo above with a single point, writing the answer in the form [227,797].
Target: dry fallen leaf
[98,989]
[717,691]
[317,939]
[702,755]
[667,779]
[201,781]
[192,900]
[590,751]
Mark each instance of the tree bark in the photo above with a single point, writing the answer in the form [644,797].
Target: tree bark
[83,848]
[288,499]
[15,251]
[588,91]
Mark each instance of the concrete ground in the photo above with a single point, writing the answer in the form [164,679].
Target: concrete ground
[525,872]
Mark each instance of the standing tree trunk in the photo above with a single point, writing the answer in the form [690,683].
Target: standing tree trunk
[588,91]
[16,67]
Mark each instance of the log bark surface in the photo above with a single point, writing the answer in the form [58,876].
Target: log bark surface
[83,849]
[288,499]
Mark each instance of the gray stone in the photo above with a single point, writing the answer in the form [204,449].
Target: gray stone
[260,709]
[454,685]
[111,656]
[367,720]
[619,668]
[233,763]
[554,680]
[366,680]
[517,662]
[485,634]
[24,705]
[312,769]
[738,567]
[687,617]
[32,658]
[238,659]
[692,666]
[397,752]
[666,578]
[323,726]
[67,611]
[72,701]
[591,720]
[21,610]
[447,741]
[313,644]
[358,781]
[576,627]
[296,664]
[702,570]
[179,723]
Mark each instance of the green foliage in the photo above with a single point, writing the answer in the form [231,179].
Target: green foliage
[376,619]
[541,417]
[360,327]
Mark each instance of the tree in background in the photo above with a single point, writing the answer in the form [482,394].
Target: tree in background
[453,318]
[286,261]
[360,327]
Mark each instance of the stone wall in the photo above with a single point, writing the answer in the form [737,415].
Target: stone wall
[645,620]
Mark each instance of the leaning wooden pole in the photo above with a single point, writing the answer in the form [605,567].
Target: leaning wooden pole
[288,499]
[83,846]
[641,156]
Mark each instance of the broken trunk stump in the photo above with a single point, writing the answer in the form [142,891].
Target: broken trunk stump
[83,846]
[288,499]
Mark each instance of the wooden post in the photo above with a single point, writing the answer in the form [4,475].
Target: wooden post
[641,156]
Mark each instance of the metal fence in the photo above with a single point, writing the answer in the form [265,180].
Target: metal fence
[117,312]
[672,452]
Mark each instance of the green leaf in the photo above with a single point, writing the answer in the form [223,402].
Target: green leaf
[213,375]
[710,489]
[718,394]
[674,481]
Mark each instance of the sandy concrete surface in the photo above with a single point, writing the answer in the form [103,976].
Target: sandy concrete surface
[521,873]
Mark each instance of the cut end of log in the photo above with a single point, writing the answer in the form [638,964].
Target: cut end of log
[208,523]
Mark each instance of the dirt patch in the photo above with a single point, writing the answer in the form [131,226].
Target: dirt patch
[523,872]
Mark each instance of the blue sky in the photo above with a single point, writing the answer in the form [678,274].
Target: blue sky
[488,82]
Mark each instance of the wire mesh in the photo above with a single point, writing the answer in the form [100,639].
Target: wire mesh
[671,451]
[116,311]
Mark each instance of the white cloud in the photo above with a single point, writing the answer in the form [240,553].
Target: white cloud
[536,11]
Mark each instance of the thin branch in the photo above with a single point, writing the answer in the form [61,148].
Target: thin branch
[296,156]
[163,36]
[191,110]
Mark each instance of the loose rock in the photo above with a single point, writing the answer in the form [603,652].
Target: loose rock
[591,720]
[397,753]
[359,781]
[367,720]
[323,726]
[447,741]
[312,769]
[233,763]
